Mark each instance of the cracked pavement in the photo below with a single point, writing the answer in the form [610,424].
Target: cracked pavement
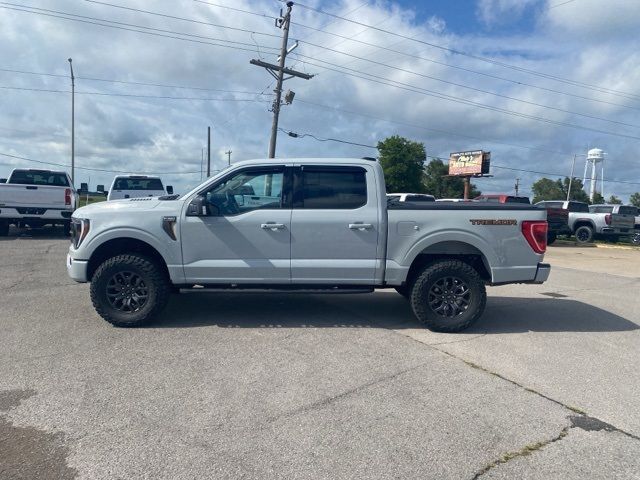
[310,386]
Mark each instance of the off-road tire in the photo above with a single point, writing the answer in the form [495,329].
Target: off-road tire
[404,290]
[4,228]
[426,283]
[155,281]
[551,237]
[635,239]
[584,234]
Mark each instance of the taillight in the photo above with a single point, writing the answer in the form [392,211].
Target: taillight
[536,234]
[607,219]
[67,196]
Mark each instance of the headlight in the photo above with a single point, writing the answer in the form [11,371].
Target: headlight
[79,230]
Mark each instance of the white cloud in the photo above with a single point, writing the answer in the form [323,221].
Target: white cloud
[167,135]
[496,12]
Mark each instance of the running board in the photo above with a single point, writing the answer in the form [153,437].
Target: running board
[304,289]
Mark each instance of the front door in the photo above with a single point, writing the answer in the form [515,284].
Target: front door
[247,237]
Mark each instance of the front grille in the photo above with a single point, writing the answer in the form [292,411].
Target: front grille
[31,210]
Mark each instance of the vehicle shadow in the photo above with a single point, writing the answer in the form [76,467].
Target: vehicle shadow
[380,310]
[44,233]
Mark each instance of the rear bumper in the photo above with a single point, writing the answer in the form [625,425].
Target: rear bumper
[542,273]
[77,269]
[35,213]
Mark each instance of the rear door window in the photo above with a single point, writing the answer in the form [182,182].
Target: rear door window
[332,188]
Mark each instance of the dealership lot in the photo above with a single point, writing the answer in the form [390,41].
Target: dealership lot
[546,385]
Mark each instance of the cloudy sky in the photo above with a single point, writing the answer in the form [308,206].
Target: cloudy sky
[532,81]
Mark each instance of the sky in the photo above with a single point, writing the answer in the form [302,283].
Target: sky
[534,82]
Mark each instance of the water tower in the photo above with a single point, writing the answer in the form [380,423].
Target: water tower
[594,156]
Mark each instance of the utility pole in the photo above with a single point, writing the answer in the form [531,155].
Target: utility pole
[208,152]
[517,186]
[73,122]
[278,71]
[229,152]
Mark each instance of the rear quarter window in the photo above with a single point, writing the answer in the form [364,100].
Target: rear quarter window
[578,207]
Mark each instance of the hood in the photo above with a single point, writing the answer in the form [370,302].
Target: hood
[117,206]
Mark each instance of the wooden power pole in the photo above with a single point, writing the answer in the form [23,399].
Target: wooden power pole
[277,72]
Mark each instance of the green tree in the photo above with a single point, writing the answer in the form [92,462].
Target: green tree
[614,200]
[634,199]
[547,189]
[438,184]
[402,161]
[598,199]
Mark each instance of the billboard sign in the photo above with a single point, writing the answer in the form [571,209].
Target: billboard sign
[469,163]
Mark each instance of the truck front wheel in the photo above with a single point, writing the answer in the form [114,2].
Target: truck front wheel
[129,290]
[448,296]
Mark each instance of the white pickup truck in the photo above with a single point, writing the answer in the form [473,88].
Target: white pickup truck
[36,198]
[136,186]
[322,225]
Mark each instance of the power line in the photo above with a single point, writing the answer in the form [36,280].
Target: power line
[130,95]
[458,85]
[475,57]
[560,4]
[191,20]
[303,135]
[412,88]
[559,175]
[153,33]
[126,82]
[96,169]
[352,38]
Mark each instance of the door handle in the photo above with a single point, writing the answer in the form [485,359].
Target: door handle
[360,226]
[272,226]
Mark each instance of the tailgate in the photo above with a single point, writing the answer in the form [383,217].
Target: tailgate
[619,220]
[32,195]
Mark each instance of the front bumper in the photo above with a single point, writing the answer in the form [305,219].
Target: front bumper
[77,269]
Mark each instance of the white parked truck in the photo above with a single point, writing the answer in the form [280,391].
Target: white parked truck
[36,198]
[135,186]
[322,225]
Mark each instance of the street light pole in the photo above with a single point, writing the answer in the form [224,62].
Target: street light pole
[73,123]
[573,166]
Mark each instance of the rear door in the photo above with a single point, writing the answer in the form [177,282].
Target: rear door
[335,226]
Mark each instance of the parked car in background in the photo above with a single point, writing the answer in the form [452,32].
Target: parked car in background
[500,198]
[36,198]
[322,225]
[411,197]
[135,186]
[604,221]
[557,218]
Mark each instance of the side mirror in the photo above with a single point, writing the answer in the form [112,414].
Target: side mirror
[199,207]
[169,189]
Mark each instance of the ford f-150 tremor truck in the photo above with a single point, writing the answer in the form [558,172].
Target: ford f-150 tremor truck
[36,198]
[322,225]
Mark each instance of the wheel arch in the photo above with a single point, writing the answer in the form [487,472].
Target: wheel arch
[121,245]
[450,250]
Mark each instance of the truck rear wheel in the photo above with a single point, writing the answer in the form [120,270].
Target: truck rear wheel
[448,296]
[129,290]
[584,234]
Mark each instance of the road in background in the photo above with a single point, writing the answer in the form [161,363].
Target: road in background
[311,386]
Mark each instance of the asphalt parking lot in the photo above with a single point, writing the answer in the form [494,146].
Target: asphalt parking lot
[546,385]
